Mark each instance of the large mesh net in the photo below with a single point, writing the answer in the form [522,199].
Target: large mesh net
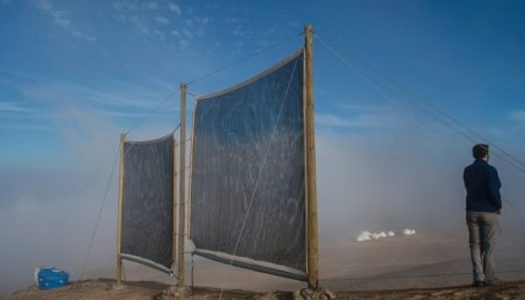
[248,177]
[147,205]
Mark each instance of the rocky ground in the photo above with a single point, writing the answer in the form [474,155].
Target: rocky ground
[104,289]
[424,266]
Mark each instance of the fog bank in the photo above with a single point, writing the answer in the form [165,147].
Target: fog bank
[365,182]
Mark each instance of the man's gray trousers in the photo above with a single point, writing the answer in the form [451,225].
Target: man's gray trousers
[482,228]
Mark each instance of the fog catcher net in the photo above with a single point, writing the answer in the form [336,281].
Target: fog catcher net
[147,202]
[248,173]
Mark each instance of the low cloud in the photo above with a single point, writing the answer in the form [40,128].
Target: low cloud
[115,97]
[125,5]
[518,116]
[150,5]
[331,120]
[387,180]
[48,213]
[83,35]
[62,19]
[175,8]
[371,181]
[59,16]
[187,33]
[361,120]
[15,107]
[162,20]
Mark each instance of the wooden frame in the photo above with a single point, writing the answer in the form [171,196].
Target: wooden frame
[244,262]
[174,250]
[118,266]
[120,257]
[312,255]
[146,262]
[251,79]
[311,186]
[182,187]
[254,265]
[305,150]
[188,227]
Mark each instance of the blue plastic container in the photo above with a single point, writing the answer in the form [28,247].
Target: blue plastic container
[51,278]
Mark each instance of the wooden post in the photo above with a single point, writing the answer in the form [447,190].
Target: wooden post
[313,243]
[118,269]
[174,249]
[182,190]
[192,147]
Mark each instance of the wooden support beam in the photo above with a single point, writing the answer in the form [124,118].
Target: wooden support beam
[313,239]
[182,185]
[118,267]
[192,147]
[174,225]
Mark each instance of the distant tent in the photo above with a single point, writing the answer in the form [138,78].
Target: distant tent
[248,204]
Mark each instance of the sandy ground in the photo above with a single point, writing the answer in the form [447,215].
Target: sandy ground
[424,266]
[424,260]
[103,289]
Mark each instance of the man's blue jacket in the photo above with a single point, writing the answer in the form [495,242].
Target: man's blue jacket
[482,183]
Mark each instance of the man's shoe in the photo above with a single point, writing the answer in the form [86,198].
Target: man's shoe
[493,282]
[477,283]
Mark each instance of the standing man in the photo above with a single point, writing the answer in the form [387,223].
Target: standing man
[483,207]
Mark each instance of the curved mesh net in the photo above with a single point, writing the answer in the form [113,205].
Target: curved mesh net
[248,171]
[147,205]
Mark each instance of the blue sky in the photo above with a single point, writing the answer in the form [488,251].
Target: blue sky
[74,74]
[69,66]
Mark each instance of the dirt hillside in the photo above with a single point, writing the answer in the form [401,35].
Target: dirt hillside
[103,289]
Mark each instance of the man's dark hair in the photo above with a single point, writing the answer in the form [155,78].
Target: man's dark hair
[480,150]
